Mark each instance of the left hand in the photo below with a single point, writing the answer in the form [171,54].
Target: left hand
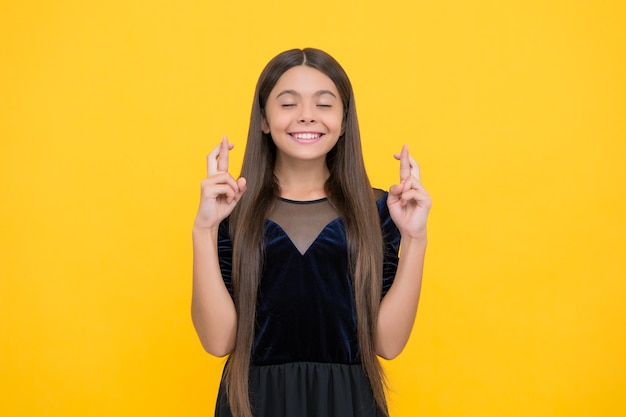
[408,202]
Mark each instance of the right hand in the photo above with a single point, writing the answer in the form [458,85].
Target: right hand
[220,192]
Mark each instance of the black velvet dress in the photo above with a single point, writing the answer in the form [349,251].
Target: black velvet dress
[305,355]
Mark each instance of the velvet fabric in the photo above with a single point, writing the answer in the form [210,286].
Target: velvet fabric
[305,306]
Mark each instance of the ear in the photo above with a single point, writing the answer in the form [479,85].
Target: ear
[264,126]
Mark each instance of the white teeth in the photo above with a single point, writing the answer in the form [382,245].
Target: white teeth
[307,135]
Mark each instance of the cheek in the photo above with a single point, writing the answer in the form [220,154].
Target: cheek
[339,123]
[277,121]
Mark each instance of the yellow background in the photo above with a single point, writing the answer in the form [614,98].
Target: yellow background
[515,110]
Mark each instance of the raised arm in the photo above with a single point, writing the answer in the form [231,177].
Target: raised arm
[409,204]
[212,309]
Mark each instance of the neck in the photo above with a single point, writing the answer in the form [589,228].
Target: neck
[304,180]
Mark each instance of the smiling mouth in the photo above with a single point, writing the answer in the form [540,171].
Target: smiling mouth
[307,135]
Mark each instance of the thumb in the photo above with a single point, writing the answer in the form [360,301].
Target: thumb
[242,184]
[395,192]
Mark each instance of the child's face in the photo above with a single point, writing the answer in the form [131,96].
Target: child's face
[304,114]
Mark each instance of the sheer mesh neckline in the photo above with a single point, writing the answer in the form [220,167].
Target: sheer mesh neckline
[302,221]
[317,200]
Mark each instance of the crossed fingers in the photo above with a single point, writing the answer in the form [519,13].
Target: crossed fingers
[409,168]
[217,160]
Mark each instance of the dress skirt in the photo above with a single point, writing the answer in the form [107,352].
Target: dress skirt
[306,389]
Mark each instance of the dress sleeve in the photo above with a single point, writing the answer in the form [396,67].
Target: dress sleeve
[225,254]
[391,243]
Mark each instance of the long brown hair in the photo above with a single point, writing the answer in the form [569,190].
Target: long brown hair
[348,189]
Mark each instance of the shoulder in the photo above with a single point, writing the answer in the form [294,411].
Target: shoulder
[381,201]
[378,193]
[391,234]
[223,231]
[380,196]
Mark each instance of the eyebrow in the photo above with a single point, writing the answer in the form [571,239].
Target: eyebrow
[295,93]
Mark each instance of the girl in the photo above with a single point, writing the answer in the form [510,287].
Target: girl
[296,271]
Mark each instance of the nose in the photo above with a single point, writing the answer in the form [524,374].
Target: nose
[307,115]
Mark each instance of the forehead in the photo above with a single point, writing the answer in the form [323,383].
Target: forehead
[304,80]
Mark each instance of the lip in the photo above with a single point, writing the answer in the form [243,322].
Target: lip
[306,137]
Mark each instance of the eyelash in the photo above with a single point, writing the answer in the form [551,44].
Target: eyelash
[326,106]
